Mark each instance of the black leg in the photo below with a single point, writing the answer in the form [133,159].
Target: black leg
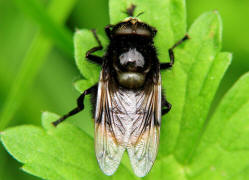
[108,31]
[166,106]
[94,58]
[164,66]
[80,105]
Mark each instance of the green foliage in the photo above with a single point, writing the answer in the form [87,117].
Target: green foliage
[54,153]
[51,26]
[83,41]
[34,59]
[192,146]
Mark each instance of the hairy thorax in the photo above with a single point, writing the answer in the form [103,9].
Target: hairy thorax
[130,69]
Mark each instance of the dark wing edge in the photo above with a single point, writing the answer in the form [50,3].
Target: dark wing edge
[143,153]
[108,152]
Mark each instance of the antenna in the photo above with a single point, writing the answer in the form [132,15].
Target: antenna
[130,10]
[139,14]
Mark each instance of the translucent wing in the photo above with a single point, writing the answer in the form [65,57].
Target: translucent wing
[127,119]
[108,141]
[144,139]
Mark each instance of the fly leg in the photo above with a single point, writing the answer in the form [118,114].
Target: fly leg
[168,65]
[80,105]
[166,106]
[108,31]
[89,54]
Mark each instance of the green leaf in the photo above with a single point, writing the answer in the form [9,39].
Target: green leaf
[224,149]
[64,152]
[192,146]
[83,41]
[196,76]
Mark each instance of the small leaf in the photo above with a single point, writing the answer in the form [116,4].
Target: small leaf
[84,41]
[83,84]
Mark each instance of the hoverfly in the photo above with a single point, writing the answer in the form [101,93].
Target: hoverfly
[127,101]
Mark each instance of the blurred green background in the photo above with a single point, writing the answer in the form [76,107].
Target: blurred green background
[49,85]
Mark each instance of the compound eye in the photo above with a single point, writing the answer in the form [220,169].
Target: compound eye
[124,30]
[143,32]
[130,30]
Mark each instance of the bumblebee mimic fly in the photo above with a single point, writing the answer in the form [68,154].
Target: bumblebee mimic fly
[127,101]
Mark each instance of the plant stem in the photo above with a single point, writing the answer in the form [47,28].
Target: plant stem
[35,58]
[52,27]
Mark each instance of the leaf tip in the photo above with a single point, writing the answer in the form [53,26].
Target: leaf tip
[230,57]
[23,168]
[77,34]
[215,11]
[245,77]
[77,29]
[1,134]
[44,114]
[48,118]
[217,14]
